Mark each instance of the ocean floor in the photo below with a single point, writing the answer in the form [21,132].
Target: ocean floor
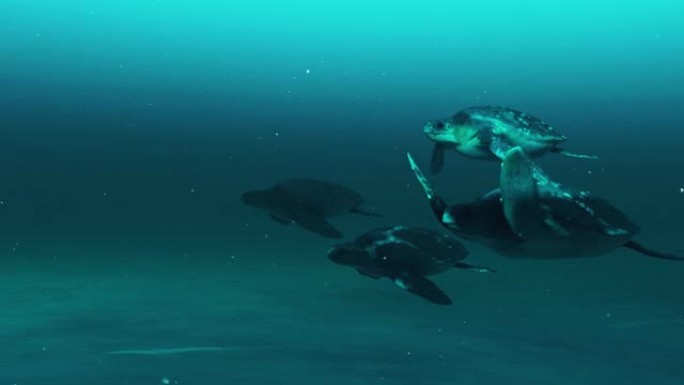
[149,320]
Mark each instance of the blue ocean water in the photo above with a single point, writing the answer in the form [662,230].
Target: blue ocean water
[130,129]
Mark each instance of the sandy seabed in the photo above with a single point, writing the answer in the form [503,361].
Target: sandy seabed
[616,319]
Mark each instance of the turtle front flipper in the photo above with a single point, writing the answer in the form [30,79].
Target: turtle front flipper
[560,151]
[317,224]
[499,146]
[438,205]
[650,252]
[534,205]
[437,160]
[427,187]
[422,287]
[519,183]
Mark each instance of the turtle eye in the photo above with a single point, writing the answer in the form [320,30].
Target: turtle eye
[439,125]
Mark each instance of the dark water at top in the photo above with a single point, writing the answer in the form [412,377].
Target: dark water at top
[129,130]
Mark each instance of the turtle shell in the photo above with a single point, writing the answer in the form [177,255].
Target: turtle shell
[424,251]
[515,125]
[326,198]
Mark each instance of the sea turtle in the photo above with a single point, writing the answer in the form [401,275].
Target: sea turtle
[405,255]
[565,221]
[487,132]
[308,203]
[530,216]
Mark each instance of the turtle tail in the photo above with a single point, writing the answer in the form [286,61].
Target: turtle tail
[650,252]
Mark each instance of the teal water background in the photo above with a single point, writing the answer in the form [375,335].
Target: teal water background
[129,129]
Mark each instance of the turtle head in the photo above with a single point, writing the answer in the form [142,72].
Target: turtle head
[438,131]
[454,130]
[348,254]
[254,198]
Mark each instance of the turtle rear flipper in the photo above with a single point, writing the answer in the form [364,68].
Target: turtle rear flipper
[572,154]
[361,211]
[282,221]
[437,160]
[477,269]
[423,288]
[650,252]
[318,224]
[367,274]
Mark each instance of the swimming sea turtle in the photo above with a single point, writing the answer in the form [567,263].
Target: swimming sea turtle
[405,255]
[530,216]
[487,132]
[308,203]
[565,221]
